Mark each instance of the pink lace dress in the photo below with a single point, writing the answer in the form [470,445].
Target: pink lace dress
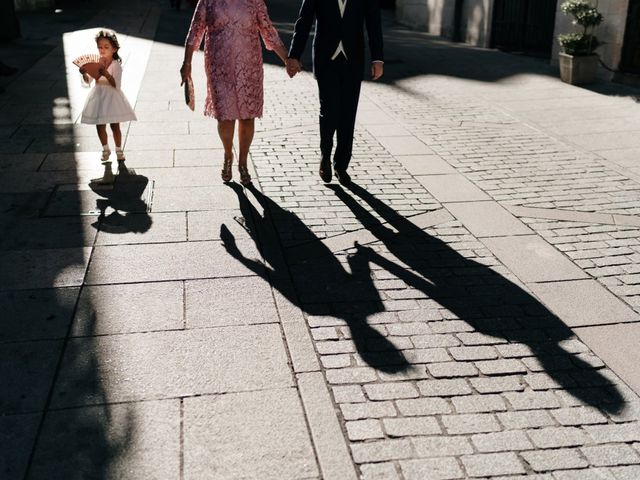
[233,54]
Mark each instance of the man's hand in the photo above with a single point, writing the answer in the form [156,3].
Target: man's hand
[293,66]
[377,69]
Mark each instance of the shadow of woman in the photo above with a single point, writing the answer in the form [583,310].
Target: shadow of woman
[125,196]
[329,282]
[487,301]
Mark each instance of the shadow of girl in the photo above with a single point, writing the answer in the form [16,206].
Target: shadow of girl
[326,277]
[125,196]
[483,298]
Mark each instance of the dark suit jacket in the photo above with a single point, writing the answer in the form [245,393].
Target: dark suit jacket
[331,29]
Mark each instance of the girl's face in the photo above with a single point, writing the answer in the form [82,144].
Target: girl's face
[105,48]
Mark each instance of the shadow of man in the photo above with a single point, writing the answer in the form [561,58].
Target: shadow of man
[124,196]
[329,282]
[483,298]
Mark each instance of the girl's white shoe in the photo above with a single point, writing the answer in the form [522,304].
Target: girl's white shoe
[120,155]
[106,153]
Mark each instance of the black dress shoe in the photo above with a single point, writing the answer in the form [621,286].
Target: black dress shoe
[343,177]
[325,170]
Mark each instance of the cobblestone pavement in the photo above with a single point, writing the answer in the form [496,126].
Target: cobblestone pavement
[470,308]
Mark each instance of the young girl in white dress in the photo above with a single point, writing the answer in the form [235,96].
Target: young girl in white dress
[106,104]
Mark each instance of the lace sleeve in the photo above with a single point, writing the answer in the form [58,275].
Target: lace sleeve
[268,32]
[198,25]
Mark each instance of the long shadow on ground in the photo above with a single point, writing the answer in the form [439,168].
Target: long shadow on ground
[329,280]
[473,292]
[483,298]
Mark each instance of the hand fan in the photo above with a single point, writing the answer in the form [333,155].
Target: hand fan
[189,96]
[91,63]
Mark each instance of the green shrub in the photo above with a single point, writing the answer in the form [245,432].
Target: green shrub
[588,17]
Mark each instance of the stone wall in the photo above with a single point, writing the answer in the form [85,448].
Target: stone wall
[434,16]
[437,18]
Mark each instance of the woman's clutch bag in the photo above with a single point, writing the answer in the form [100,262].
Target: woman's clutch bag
[189,97]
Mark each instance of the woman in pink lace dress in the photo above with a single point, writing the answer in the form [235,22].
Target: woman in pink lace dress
[233,62]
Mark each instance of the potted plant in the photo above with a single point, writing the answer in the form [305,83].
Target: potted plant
[578,62]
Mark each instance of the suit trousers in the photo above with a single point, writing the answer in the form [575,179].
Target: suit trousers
[339,89]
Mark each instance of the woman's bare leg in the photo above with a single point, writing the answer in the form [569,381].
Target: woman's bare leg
[245,137]
[225,130]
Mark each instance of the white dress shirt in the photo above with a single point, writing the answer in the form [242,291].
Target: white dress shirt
[340,50]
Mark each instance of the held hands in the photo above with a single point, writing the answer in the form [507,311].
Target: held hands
[185,72]
[293,66]
[377,69]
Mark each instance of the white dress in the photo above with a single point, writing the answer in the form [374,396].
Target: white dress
[107,104]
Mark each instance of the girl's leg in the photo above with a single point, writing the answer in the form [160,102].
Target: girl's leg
[225,131]
[245,137]
[102,135]
[117,139]
[117,134]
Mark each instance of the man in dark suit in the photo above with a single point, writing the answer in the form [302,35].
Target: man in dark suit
[338,66]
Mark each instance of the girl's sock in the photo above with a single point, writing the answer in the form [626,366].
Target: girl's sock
[105,153]
[120,154]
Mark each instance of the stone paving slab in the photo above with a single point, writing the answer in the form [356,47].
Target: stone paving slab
[44,268]
[425,164]
[28,369]
[183,199]
[171,364]
[487,219]
[106,309]
[88,439]
[581,303]
[334,458]
[229,301]
[452,188]
[623,357]
[17,439]
[36,314]
[129,228]
[181,261]
[48,233]
[532,259]
[245,435]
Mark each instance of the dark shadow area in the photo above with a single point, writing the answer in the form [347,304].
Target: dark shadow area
[477,294]
[124,202]
[328,279]
[46,432]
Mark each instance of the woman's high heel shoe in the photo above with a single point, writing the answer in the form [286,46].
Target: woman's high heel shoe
[227,173]
[245,178]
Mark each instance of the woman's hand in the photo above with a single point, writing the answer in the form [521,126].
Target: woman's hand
[185,72]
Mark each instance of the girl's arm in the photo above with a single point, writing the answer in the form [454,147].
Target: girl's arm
[114,76]
[86,79]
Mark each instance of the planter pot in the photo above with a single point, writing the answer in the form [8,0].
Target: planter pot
[578,70]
